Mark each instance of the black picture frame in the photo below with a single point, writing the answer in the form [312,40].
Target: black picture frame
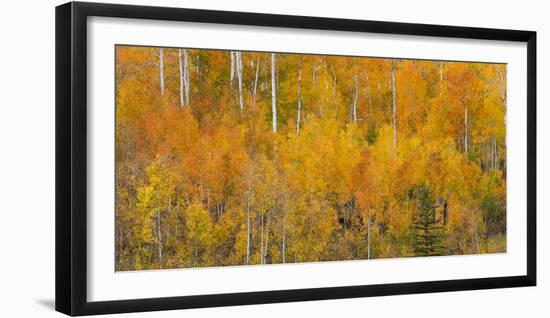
[71,157]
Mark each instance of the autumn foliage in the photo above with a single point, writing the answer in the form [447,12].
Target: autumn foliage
[235,158]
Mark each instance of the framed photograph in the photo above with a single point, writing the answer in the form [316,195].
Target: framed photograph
[209,158]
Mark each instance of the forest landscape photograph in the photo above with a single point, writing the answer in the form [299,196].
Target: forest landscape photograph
[235,158]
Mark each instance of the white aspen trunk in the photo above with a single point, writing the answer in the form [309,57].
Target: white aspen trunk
[389,111]
[256,80]
[334,89]
[466,130]
[197,65]
[161,66]
[485,154]
[368,234]
[181,80]
[503,95]
[239,78]
[355,101]
[299,100]
[160,238]
[266,240]
[492,155]
[262,241]
[169,233]
[273,94]
[314,79]
[186,75]
[248,229]
[120,237]
[327,89]
[284,236]
[502,87]
[177,219]
[496,154]
[232,72]
[440,78]
[477,239]
[394,103]
[368,94]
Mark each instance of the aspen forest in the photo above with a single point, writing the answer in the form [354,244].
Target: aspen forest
[228,158]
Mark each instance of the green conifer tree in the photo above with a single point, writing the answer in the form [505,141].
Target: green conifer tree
[427,238]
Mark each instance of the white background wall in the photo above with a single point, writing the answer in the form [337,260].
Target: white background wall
[27,158]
